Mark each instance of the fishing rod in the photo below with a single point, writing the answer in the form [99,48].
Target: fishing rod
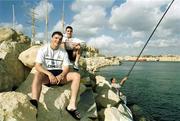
[124,79]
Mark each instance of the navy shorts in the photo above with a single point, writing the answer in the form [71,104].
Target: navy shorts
[55,73]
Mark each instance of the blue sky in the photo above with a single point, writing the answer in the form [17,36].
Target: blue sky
[115,27]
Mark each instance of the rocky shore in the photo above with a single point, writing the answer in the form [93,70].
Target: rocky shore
[96,62]
[97,101]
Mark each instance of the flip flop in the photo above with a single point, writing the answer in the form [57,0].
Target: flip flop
[74,113]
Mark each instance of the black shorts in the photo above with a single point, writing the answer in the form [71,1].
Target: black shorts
[55,73]
[70,55]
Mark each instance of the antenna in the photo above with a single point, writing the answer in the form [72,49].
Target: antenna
[33,25]
[63,17]
[46,20]
[13,16]
[33,28]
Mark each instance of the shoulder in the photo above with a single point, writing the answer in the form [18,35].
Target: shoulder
[44,48]
[62,50]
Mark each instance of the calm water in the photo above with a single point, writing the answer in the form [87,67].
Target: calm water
[155,86]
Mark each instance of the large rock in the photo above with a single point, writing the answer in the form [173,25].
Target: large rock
[12,71]
[7,34]
[15,106]
[139,114]
[28,56]
[126,113]
[53,100]
[112,114]
[106,97]
[87,106]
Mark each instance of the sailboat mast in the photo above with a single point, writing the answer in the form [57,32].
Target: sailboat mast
[63,16]
[46,20]
[33,27]
[13,16]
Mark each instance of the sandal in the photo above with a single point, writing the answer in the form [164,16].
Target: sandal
[74,113]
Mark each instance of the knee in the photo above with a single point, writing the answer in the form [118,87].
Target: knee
[77,76]
[38,77]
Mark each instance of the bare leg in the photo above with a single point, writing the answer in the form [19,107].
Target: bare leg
[39,78]
[77,54]
[75,78]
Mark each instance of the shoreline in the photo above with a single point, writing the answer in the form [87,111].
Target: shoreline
[151,58]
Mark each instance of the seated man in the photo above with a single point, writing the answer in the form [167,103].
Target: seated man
[52,66]
[72,46]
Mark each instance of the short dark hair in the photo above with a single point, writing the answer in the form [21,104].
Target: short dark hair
[69,27]
[57,32]
[112,79]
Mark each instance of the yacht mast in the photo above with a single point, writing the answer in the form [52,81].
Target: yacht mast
[13,16]
[46,20]
[63,17]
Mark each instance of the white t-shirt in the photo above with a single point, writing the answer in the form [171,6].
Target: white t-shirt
[69,42]
[116,85]
[52,59]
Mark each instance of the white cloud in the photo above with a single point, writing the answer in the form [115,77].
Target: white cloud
[18,27]
[162,43]
[90,17]
[58,27]
[109,46]
[138,44]
[41,9]
[136,34]
[40,36]
[83,4]
[89,21]
[101,42]
[171,20]
[136,15]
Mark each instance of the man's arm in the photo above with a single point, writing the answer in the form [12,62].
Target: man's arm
[123,80]
[51,77]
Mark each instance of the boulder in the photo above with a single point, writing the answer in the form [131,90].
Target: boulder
[105,95]
[101,115]
[7,34]
[15,106]
[53,100]
[126,113]
[139,114]
[112,114]
[28,56]
[87,106]
[12,71]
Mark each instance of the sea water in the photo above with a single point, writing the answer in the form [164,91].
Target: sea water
[154,86]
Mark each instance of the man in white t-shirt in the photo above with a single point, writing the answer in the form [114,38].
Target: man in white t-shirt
[72,46]
[52,65]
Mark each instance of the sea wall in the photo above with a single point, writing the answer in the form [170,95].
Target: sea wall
[152,58]
[96,62]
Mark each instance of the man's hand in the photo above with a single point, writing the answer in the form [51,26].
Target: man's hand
[59,78]
[52,78]
[123,80]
